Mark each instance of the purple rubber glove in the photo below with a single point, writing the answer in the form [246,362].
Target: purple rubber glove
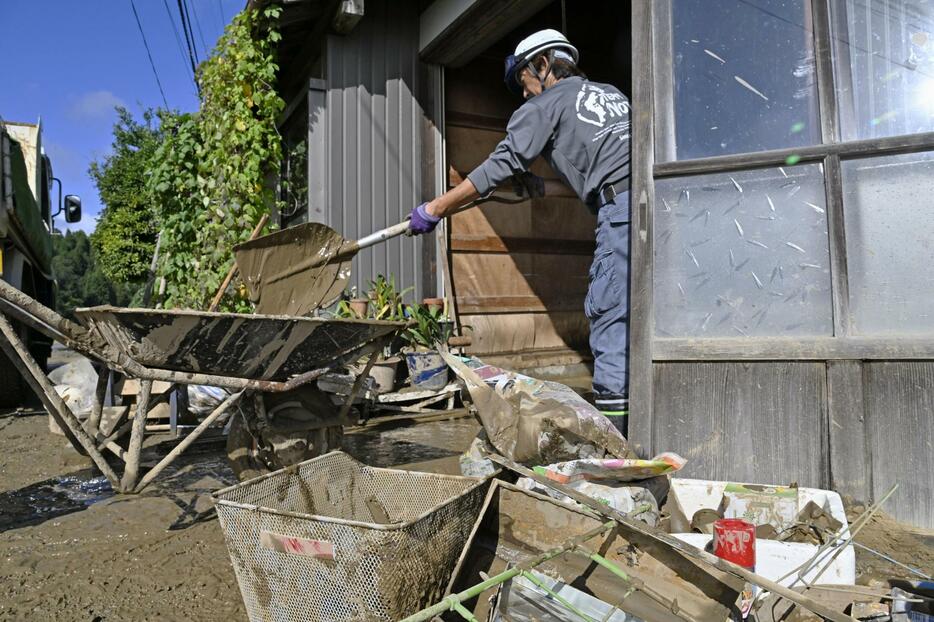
[420,221]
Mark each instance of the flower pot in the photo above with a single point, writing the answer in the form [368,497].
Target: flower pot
[433,304]
[383,373]
[427,370]
[359,307]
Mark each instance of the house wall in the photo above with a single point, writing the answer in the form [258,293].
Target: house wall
[372,140]
[781,328]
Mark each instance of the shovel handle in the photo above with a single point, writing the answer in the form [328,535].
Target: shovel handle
[383,235]
[396,230]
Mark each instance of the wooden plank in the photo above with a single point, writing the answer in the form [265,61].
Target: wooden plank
[528,332]
[496,244]
[755,422]
[642,199]
[900,431]
[840,286]
[797,348]
[849,460]
[513,304]
[547,277]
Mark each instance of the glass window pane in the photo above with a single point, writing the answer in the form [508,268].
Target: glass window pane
[884,65]
[743,77]
[743,254]
[890,243]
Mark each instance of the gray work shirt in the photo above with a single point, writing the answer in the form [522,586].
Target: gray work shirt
[580,127]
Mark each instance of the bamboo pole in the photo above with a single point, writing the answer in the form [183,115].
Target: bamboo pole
[234,269]
[451,602]
[188,440]
[131,471]
[16,351]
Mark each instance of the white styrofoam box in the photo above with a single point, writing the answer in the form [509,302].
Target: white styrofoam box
[773,558]
[687,496]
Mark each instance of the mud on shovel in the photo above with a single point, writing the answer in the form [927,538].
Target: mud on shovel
[297,270]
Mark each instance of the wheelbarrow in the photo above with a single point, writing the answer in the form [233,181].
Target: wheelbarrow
[269,362]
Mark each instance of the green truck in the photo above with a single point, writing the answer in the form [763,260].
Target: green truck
[26,226]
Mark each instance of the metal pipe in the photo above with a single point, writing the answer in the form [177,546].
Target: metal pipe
[18,354]
[41,312]
[131,471]
[20,315]
[188,440]
[450,603]
[132,368]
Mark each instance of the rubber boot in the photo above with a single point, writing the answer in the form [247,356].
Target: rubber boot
[616,409]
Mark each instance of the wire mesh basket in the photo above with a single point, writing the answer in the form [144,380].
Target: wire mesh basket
[332,539]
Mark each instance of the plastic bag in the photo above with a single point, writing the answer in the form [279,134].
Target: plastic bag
[617,469]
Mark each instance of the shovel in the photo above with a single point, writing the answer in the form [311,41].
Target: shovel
[297,270]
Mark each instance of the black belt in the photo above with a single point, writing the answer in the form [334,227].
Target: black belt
[609,192]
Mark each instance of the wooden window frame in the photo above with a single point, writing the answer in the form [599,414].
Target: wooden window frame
[651,23]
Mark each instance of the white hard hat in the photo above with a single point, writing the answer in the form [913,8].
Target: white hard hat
[529,48]
[542,40]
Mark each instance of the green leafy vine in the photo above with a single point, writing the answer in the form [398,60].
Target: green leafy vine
[211,176]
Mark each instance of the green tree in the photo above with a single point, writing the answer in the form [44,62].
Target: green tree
[81,281]
[209,175]
[125,237]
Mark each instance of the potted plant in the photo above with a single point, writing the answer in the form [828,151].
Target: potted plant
[429,328]
[383,302]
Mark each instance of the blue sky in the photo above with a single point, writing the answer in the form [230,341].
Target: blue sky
[69,62]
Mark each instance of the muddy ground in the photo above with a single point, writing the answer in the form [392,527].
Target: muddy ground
[71,550]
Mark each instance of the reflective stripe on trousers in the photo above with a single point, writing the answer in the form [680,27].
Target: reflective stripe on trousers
[607,301]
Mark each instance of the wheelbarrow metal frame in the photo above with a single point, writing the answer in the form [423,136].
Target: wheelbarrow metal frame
[88,438]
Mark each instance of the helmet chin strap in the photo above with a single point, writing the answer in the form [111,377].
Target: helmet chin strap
[551,63]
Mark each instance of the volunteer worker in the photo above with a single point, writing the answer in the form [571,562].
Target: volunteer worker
[582,129]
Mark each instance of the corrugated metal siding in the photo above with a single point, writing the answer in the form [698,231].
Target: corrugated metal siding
[373,175]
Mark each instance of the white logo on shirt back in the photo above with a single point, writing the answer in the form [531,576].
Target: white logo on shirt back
[597,106]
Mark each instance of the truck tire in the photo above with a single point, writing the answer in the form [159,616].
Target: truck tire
[12,385]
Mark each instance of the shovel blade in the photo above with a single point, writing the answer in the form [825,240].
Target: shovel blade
[296,270]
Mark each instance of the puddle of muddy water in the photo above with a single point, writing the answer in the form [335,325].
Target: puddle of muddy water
[54,497]
[411,444]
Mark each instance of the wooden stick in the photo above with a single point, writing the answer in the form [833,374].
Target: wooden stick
[97,407]
[705,558]
[233,269]
[131,472]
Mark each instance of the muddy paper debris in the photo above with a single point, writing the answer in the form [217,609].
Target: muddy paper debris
[533,421]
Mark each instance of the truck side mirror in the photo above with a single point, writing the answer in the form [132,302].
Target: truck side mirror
[72,208]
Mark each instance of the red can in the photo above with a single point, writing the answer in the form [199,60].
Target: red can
[735,540]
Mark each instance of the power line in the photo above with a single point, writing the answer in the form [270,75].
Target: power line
[204,47]
[192,54]
[149,54]
[189,28]
[178,41]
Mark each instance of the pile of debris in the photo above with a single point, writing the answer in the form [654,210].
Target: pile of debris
[553,519]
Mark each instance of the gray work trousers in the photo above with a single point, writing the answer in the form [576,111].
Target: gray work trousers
[607,302]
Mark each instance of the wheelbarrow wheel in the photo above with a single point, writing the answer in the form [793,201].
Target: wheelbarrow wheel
[254,450]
